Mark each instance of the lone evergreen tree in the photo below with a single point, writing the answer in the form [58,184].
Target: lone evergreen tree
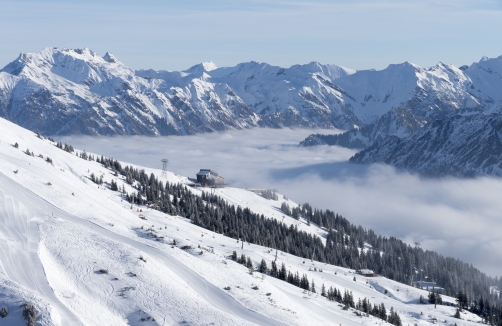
[312,287]
[282,272]
[273,270]
[113,186]
[263,267]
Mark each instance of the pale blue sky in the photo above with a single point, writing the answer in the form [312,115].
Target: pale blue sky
[175,35]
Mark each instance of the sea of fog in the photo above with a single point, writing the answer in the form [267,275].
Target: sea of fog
[461,218]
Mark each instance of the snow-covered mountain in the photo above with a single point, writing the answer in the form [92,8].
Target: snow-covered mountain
[64,91]
[460,146]
[486,77]
[82,255]
[397,122]
[429,93]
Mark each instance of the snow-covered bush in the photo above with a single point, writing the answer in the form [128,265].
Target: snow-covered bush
[4,312]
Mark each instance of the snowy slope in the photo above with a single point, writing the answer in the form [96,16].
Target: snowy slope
[486,77]
[427,92]
[59,229]
[461,146]
[65,91]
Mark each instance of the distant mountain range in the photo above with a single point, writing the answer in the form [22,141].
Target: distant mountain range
[447,137]
[64,91]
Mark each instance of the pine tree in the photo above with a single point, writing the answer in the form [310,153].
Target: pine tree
[282,272]
[303,282]
[366,305]
[285,209]
[273,270]
[263,267]
[296,279]
[383,312]
[394,318]
[439,299]
[113,186]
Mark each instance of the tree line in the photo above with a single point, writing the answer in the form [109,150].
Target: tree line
[332,294]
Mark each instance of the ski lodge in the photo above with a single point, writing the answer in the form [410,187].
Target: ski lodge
[210,178]
[365,272]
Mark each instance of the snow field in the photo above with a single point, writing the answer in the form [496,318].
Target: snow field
[55,239]
[12,296]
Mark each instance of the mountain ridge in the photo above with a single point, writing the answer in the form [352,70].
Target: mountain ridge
[397,122]
[76,91]
[464,146]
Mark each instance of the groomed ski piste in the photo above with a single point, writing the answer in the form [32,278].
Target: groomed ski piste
[82,256]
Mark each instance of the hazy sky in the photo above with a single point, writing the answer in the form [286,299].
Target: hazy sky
[175,35]
[455,217]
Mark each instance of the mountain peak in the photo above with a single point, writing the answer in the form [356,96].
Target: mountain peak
[201,68]
[209,66]
[108,57]
[16,67]
[405,64]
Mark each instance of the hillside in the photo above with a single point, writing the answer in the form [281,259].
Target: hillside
[65,91]
[397,122]
[81,254]
[465,146]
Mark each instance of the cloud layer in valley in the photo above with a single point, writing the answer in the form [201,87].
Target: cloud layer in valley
[456,217]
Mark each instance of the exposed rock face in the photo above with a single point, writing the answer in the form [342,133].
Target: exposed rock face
[464,146]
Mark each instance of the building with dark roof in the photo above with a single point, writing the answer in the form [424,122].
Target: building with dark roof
[365,272]
[210,178]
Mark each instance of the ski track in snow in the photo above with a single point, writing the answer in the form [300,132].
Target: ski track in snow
[19,244]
